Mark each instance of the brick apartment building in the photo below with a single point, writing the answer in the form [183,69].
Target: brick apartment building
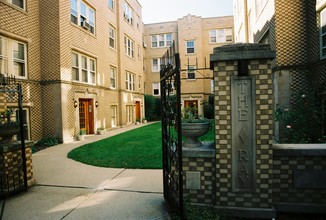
[85,64]
[296,30]
[194,38]
[80,63]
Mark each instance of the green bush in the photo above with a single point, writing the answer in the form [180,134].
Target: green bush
[209,107]
[304,122]
[45,143]
[152,108]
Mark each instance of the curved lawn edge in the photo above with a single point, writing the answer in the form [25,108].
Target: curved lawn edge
[140,148]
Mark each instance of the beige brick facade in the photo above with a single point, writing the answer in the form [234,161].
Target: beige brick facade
[292,28]
[52,39]
[189,28]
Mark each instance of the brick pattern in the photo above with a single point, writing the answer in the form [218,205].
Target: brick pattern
[11,173]
[262,197]
[50,37]
[206,167]
[283,190]
[297,43]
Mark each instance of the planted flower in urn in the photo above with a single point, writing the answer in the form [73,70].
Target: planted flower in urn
[193,127]
[8,128]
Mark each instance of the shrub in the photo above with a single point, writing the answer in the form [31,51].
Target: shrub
[152,108]
[304,122]
[45,143]
[209,107]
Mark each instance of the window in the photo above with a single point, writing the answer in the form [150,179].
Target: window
[138,52]
[156,89]
[154,41]
[83,68]
[111,4]
[129,47]
[156,64]
[19,3]
[260,4]
[129,113]
[13,57]
[112,37]
[162,40]
[191,72]
[114,116]
[130,81]
[323,33]
[83,15]
[140,82]
[220,36]
[128,13]
[190,47]
[113,77]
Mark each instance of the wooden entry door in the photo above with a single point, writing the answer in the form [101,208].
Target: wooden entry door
[138,112]
[86,115]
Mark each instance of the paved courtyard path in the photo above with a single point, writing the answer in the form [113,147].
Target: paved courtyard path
[67,189]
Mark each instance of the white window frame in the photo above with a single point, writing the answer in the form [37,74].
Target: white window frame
[113,77]
[130,81]
[129,113]
[90,70]
[111,4]
[189,48]
[140,82]
[221,36]
[112,36]
[84,19]
[191,72]
[322,34]
[156,67]
[156,89]
[260,5]
[129,47]
[161,40]
[128,13]
[9,60]
[23,2]
[114,117]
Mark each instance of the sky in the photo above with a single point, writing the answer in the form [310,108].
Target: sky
[155,11]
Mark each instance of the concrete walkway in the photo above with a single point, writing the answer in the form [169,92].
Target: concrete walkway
[67,189]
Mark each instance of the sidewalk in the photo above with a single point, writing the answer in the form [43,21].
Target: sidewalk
[67,189]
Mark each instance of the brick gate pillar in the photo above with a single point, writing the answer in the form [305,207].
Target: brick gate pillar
[244,129]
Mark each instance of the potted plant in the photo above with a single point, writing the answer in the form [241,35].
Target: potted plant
[81,135]
[193,127]
[8,128]
[144,120]
[101,130]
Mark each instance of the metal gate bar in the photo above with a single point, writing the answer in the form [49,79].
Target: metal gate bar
[14,180]
[171,131]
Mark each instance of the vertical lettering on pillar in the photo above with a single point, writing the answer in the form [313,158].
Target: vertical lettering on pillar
[243,133]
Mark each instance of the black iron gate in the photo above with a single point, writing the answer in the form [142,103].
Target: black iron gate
[171,131]
[13,174]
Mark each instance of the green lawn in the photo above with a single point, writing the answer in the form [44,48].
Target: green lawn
[140,148]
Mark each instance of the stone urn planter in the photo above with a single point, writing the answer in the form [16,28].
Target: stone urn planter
[101,131]
[7,131]
[192,131]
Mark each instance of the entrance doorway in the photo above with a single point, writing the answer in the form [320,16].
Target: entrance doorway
[86,115]
[138,112]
